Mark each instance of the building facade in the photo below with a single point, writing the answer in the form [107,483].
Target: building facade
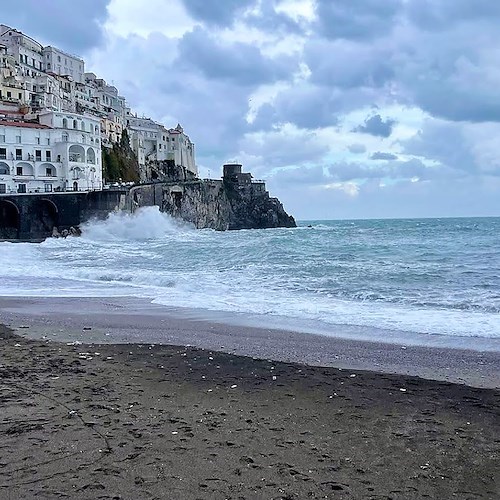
[60,153]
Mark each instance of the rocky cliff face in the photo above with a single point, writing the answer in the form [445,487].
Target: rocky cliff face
[232,203]
[216,205]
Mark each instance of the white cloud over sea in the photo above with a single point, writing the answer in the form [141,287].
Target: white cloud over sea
[348,108]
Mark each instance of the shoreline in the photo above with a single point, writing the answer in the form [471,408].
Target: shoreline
[118,320]
[141,421]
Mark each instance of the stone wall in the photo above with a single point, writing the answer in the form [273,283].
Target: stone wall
[34,217]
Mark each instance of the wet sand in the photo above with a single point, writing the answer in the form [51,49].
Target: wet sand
[133,421]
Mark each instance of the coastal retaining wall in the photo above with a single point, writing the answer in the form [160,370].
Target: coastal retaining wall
[34,217]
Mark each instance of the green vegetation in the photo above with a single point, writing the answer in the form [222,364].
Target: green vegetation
[120,162]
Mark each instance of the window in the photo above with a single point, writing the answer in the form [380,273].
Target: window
[2,137]
[18,139]
[20,96]
[38,140]
[47,155]
[48,188]
[65,123]
[3,153]
[9,94]
[75,124]
[48,141]
[3,188]
[21,188]
[19,154]
[65,137]
[19,171]
[49,172]
[38,155]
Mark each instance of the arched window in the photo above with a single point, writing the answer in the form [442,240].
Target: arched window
[83,126]
[4,169]
[65,123]
[96,129]
[76,154]
[65,137]
[90,156]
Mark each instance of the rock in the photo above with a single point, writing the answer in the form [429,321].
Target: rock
[235,202]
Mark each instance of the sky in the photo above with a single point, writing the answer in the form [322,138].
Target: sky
[347,108]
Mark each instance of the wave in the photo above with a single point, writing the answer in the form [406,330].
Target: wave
[146,223]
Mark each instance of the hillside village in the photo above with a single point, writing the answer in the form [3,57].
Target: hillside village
[64,129]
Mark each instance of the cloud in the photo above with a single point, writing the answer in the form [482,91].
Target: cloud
[71,26]
[376,126]
[240,63]
[357,149]
[383,156]
[347,65]
[356,19]
[219,13]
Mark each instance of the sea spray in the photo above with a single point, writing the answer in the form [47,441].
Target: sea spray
[146,223]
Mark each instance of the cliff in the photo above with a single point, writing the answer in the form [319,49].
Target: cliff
[235,202]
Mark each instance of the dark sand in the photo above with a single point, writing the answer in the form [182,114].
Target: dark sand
[142,422]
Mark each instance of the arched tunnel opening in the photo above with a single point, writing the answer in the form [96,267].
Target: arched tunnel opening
[9,220]
[47,216]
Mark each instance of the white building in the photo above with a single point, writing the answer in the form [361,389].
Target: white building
[153,142]
[61,153]
[61,63]
[26,51]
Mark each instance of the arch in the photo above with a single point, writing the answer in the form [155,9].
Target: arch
[47,170]
[77,171]
[77,153]
[91,156]
[26,169]
[9,220]
[47,216]
[75,186]
[4,168]
[65,123]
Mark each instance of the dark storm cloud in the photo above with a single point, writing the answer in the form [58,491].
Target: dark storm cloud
[306,107]
[376,126]
[240,63]
[379,155]
[216,12]
[356,19]
[311,106]
[68,25]
[348,65]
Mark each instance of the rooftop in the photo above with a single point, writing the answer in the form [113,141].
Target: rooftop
[10,123]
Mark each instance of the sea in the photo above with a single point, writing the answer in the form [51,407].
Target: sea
[370,279]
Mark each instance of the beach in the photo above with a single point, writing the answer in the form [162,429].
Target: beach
[115,417]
